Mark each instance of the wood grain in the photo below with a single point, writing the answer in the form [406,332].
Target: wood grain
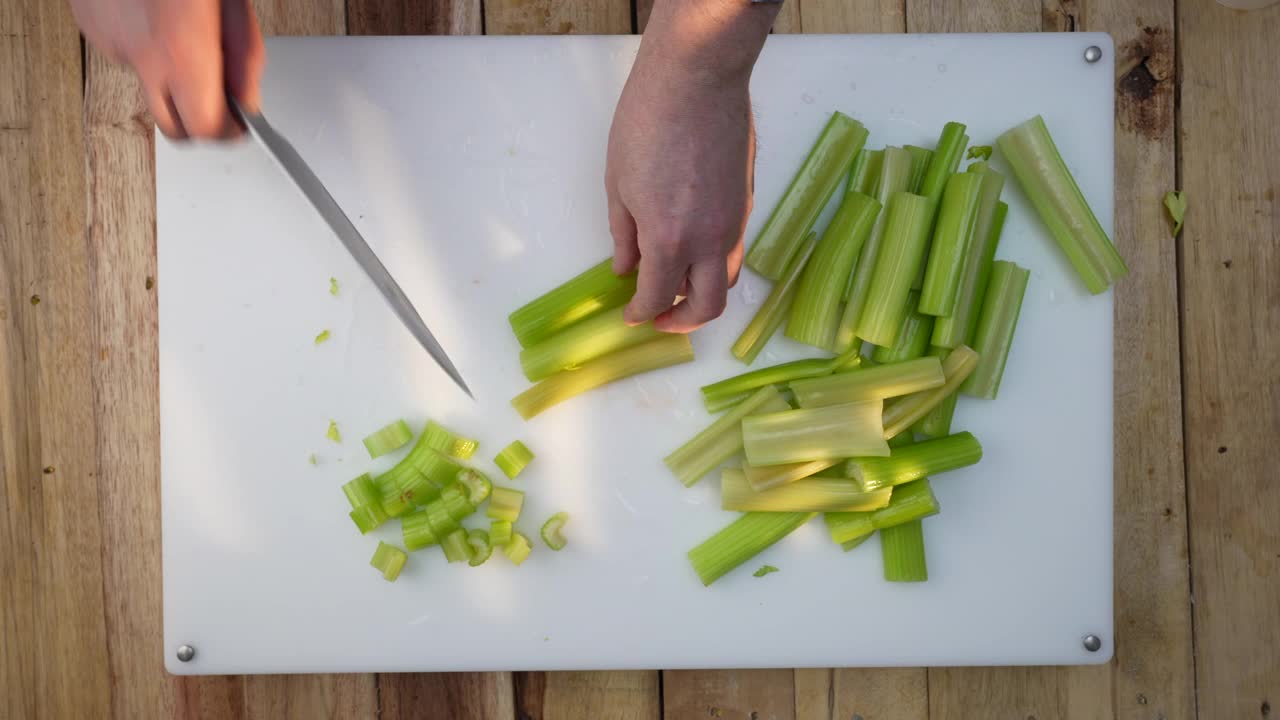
[444,696]
[1230,262]
[840,16]
[788,20]
[414,17]
[729,694]
[557,17]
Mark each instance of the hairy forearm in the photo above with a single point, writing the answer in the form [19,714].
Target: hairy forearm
[715,41]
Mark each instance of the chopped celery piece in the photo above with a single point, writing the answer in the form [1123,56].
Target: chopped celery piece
[937,422]
[742,540]
[455,546]
[368,517]
[945,160]
[835,431]
[323,336]
[764,570]
[808,495]
[513,459]
[815,181]
[772,476]
[551,531]
[440,519]
[481,549]
[721,439]
[332,433]
[456,504]
[391,437]
[952,240]
[902,412]
[1175,201]
[313,460]
[848,545]
[915,461]
[979,152]
[500,532]
[416,528]
[433,465]
[595,290]
[815,312]
[909,502]
[776,306]
[913,335]
[517,548]
[877,383]
[598,335]
[902,547]
[902,250]
[866,179]
[727,393]
[477,485]
[441,438]
[665,351]
[920,158]
[505,504]
[362,491]
[333,286]
[996,324]
[389,560]
[957,328]
[1053,192]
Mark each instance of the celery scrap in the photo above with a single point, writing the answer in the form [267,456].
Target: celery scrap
[835,431]
[1175,201]
[979,152]
[388,438]
[721,439]
[517,548]
[957,328]
[333,286]
[953,235]
[742,540]
[945,160]
[389,560]
[313,459]
[323,336]
[727,393]
[332,433]
[594,290]
[513,459]
[552,529]
[764,570]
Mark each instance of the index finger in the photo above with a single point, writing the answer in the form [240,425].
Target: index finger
[195,77]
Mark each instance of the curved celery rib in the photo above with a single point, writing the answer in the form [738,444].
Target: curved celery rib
[721,439]
[481,549]
[729,392]
[742,540]
[913,335]
[772,476]
[808,495]
[517,548]
[665,351]
[876,383]
[513,459]
[1054,194]
[909,502]
[505,504]
[915,461]
[775,307]
[836,431]
[996,323]
[595,290]
[952,240]
[587,340]
[388,438]
[810,189]
[902,249]
[477,485]
[551,531]
[902,548]
[500,532]
[389,560]
[957,328]
[441,438]
[902,412]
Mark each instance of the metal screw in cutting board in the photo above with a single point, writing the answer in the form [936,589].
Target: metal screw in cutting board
[1092,54]
[186,653]
[1092,643]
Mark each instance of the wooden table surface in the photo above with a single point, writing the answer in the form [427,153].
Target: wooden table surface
[1197,389]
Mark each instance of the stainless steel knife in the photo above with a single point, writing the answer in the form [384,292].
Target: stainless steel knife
[296,168]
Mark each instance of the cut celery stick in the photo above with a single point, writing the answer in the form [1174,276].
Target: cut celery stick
[996,323]
[368,517]
[1053,192]
[391,437]
[416,528]
[323,336]
[477,485]
[952,240]
[481,549]
[500,532]
[332,433]
[513,459]
[877,383]
[836,431]
[848,545]
[914,461]
[902,548]
[663,352]
[902,249]
[599,335]
[957,328]
[455,546]
[937,422]
[721,439]
[818,177]
[913,335]
[551,531]
[389,560]
[902,412]
[815,312]
[362,491]
[772,476]
[945,160]
[517,548]
[505,504]
[776,306]
[867,177]
[742,540]
[595,290]
[729,392]
[808,495]
[920,159]
[441,438]
[909,502]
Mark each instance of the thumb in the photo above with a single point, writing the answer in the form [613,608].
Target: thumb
[243,52]
[626,248]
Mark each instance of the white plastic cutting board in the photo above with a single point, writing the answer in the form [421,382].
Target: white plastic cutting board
[473,167]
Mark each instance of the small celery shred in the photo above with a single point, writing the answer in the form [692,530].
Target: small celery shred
[513,459]
[742,540]
[517,548]
[979,152]
[332,433]
[722,439]
[441,438]
[323,336]
[835,431]
[1175,201]
[587,340]
[505,504]
[552,533]
[595,290]
[389,438]
[389,560]
[764,570]
[333,286]
[313,459]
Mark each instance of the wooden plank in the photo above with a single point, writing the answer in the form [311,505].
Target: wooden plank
[788,20]
[1230,253]
[729,694]
[53,656]
[841,16]
[413,17]
[557,17]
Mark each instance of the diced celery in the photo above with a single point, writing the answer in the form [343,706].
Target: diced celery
[513,459]
[481,549]
[455,546]
[517,548]
[551,531]
[505,504]
[389,560]
[388,438]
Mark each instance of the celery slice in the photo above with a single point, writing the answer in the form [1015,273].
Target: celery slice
[914,461]
[441,438]
[551,531]
[902,412]
[772,476]
[513,459]
[764,570]
[937,422]
[594,290]
[505,504]
[388,438]
[333,286]
[368,517]
[481,549]
[417,532]
[517,548]
[389,560]
[902,548]
[957,328]
[721,439]
[500,532]
[729,392]
[1175,201]
[996,324]
[909,502]
[1053,192]
[952,239]
[440,520]
[455,546]
[920,159]
[814,183]
[876,383]
[457,505]
[477,485]
[742,540]
[835,431]
[332,433]
[361,491]
[913,335]
[599,335]
[322,336]
[776,306]
[808,495]
[665,351]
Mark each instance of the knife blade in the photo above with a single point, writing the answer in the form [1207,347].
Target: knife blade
[297,169]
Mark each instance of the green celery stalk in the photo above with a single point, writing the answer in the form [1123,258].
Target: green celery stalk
[721,439]
[937,422]
[776,306]
[915,461]
[913,335]
[877,383]
[957,328]
[551,531]
[836,431]
[513,459]
[903,411]
[517,549]
[729,392]
[388,438]
[505,504]
[670,349]
[441,438]
[595,290]
[920,159]
[481,549]
[945,161]
[743,539]
[902,548]
[416,528]
[864,171]
[455,546]
[389,560]
[815,313]
[598,335]
[909,502]
[952,240]
[902,249]
[1053,192]
[772,476]
[996,323]
[818,177]
[850,544]
[808,495]
[500,532]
